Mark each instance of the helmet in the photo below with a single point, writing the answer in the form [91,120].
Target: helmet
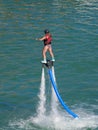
[46,31]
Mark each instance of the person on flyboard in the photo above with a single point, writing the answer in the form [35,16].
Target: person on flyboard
[47,39]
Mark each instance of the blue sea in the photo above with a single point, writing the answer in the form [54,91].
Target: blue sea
[24,103]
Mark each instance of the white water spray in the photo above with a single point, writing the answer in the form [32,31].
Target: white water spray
[41,110]
[54,100]
[42,98]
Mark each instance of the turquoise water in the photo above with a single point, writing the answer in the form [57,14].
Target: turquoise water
[74,26]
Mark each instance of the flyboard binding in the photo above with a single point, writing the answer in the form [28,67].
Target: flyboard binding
[49,64]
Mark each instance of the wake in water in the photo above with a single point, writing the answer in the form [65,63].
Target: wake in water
[56,119]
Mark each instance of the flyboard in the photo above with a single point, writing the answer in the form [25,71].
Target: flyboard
[49,65]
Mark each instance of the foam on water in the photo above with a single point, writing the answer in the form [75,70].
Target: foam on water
[59,121]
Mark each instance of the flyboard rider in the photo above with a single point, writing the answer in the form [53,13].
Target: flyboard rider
[47,39]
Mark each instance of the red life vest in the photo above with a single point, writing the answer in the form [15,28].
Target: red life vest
[48,39]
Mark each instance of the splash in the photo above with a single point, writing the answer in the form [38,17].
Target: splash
[87,121]
[56,119]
